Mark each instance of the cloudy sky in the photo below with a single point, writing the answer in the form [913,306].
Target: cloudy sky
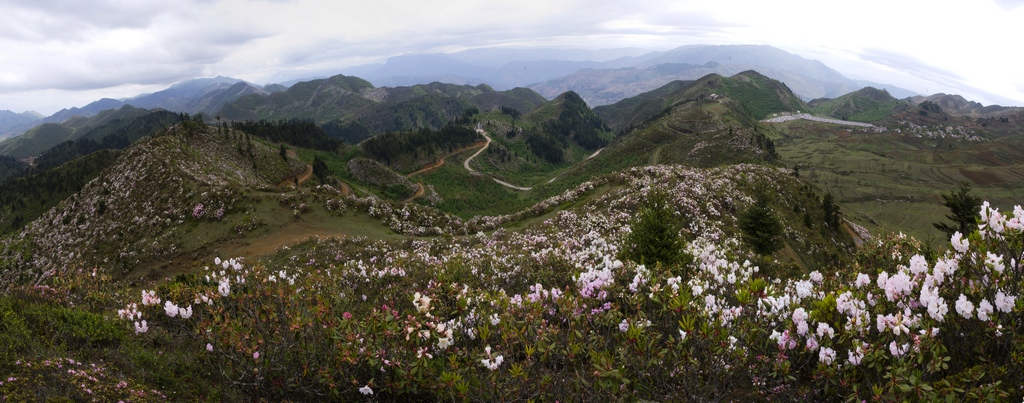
[58,53]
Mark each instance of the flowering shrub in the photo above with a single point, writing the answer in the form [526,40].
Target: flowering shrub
[551,313]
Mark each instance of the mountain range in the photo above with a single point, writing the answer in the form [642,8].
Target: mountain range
[285,238]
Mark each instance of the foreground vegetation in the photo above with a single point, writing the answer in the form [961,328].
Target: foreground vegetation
[562,310]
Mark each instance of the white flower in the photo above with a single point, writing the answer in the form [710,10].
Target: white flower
[799,315]
[804,288]
[141,328]
[421,302]
[149,298]
[185,312]
[862,280]
[918,264]
[825,330]
[959,243]
[964,307]
[1005,303]
[995,261]
[682,334]
[366,390]
[171,309]
[225,287]
[984,309]
[816,277]
[996,221]
[936,306]
[898,350]
[826,355]
[854,357]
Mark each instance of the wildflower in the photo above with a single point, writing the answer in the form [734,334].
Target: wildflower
[936,306]
[1005,303]
[225,287]
[959,243]
[256,355]
[491,363]
[141,328]
[812,343]
[996,221]
[804,289]
[854,357]
[995,262]
[682,334]
[984,309]
[898,285]
[149,298]
[964,307]
[898,350]
[185,312]
[171,309]
[346,316]
[826,355]
[817,277]
[209,347]
[862,280]
[918,264]
[421,302]
[824,329]
[366,390]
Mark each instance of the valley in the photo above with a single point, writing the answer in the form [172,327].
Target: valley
[333,239]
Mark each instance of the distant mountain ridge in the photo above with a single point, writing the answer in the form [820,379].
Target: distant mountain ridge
[619,75]
[378,109]
[11,123]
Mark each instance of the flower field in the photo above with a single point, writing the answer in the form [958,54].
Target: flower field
[556,311]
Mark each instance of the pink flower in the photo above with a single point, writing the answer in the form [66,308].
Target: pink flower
[346,316]
[256,355]
[209,347]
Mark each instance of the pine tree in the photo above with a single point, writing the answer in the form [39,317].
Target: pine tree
[962,207]
[655,235]
[761,228]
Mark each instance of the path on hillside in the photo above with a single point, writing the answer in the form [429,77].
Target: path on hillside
[345,189]
[487,144]
[437,164]
[420,189]
[501,182]
[302,177]
[419,192]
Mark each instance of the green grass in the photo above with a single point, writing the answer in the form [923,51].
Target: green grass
[466,194]
[888,182]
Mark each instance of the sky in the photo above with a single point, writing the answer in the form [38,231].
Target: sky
[57,54]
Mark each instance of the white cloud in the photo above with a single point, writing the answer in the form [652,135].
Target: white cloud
[63,49]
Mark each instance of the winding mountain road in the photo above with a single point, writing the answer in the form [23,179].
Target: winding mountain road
[487,144]
[465,164]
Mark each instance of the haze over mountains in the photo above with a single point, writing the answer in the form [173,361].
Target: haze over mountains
[600,77]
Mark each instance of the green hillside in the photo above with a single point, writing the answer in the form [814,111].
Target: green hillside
[36,140]
[342,101]
[864,105]
[207,263]
[128,122]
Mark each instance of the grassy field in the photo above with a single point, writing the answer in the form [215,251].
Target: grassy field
[891,182]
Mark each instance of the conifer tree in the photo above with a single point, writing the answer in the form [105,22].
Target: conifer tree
[962,207]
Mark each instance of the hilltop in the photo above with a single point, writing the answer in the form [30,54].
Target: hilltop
[657,248]
[867,104]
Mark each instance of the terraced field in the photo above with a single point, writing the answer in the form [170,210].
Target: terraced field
[888,181]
